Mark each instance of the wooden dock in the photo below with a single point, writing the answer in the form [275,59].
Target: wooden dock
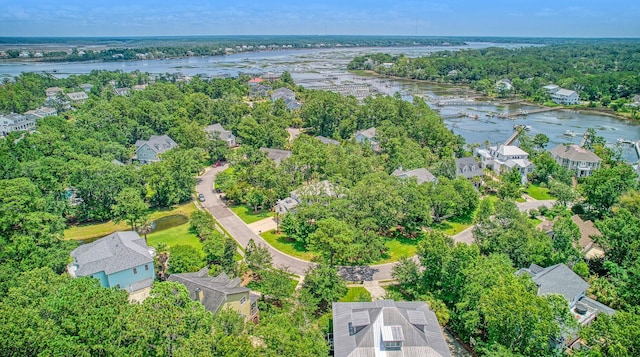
[460,115]
[513,136]
[527,112]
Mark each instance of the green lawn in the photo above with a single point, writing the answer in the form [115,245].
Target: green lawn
[246,213]
[89,231]
[534,221]
[539,193]
[356,294]
[179,235]
[362,72]
[287,245]
[398,248]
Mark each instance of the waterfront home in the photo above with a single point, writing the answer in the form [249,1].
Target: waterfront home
[504,85]
[283,93]
[120,260]
[386,328]
[551,88]
[77,97]
[565,96]
[368,136]
[148,151]
[16,122]
[580,161]
[502,158]
[255,81]
[276,155]
[219,292]
[259,91]
[422,175]
[217,131]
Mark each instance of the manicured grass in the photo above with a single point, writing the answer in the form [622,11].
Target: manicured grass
[246,213]
[356,294]
[535,221]
[287,245]
[520,200]
[398,248]
[539,193]
[89,231]
[450,228]
[179,235]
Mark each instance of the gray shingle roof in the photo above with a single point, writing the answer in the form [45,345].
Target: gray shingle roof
[574,153]
[214,289]
[276,155]
[390,320]
[116,252]
[368,133]
[158,143]
[283,93]
[217,129]
[422,175]
[468,167]
[558,279]
[327,140]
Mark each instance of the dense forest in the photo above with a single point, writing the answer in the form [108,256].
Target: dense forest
[604,73]
[472,288]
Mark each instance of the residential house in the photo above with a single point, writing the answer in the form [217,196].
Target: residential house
[565,96]
[121,260]
[559,279]
[77,97]
[317,192]
[586,244]
[551,88]
[502,158]
[576,159]
[255,81]
[635,101]
[386,328]
[368,136]
[504,85]
[327,140]
[276,155]
[468,167]
[121,91]
[86,87]
[422,175]
[139,87]
[147,151]
[270,76]
[217,131]
[16,122]
[283,93]
[53,92]
[259,91]
[219,292]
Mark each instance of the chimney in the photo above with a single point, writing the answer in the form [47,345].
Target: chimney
[199,294]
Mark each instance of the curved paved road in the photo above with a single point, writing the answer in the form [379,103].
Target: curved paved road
[242,234]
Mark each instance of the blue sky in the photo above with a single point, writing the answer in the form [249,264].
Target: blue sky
[558,18]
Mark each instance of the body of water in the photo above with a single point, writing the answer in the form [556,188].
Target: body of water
[327,67]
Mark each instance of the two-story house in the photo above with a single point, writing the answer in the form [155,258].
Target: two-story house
[562,96]
[576,159]
[386,328]
[468,167]
[321,191]
[77,97]
[120,260]
[16,122]
[288,96]
[368,136]
[217,131]
[219,292]
[502,158]
[147,151]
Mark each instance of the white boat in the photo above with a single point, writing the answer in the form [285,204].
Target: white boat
[527,127]
[570,133]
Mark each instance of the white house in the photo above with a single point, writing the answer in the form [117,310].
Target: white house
[505,157]
[565,96]
[16,122]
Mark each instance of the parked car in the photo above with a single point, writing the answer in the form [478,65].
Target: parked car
[201,197]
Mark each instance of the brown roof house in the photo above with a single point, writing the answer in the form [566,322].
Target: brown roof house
[386,328]
[219,292]
[587,231]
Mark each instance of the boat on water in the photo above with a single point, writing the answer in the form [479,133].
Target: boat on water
[527,127]
[569,132]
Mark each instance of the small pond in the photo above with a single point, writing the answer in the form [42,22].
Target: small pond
[158,225]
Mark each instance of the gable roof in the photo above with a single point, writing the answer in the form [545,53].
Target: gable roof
[221,132]
[468,167]
[565,92]
[422,175]
[574,152]
[368,133]
[327,140]
[276,155]
[158,143]
[413,323]
[284,93]
[557,279]
[116,252]
[77,96]
[509,150]
[214,289]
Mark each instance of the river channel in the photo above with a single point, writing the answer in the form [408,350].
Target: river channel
[327,67]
